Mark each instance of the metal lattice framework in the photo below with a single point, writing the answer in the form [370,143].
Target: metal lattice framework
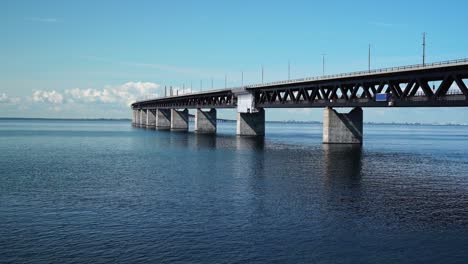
[215,99]
[439,84]
[442,86]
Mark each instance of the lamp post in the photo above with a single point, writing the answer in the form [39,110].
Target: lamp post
[424,49]
[262,74]
[323,64]
[368,57]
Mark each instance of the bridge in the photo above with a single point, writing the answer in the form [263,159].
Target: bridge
[440,84]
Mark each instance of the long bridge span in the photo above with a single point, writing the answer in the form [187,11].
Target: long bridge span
[441,84]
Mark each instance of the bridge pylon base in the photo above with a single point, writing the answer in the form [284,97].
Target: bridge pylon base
[251,124]
[163,119]
[179,120]
[151,118]
[341,128]
[134,117]
[142,122]
[205,121]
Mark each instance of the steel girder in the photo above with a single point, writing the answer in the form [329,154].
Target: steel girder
[427,87]
[407,89]
[219,99]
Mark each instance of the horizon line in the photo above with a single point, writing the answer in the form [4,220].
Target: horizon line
[232,120]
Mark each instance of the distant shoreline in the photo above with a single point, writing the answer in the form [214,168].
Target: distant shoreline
[223,120]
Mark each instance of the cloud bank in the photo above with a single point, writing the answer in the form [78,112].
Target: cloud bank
[111,101]
[47,97]
[123,95]
[5,99]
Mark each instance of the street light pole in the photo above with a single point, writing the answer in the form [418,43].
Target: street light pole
[368,57]
[424,49]
[323,64]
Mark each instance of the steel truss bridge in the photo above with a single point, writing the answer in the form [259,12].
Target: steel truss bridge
[441,84]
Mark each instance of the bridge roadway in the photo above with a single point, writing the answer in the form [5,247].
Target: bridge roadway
[442,84]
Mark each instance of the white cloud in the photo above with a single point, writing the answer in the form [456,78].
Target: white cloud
[120,96]
[47,97]
[126,93]
[5,99]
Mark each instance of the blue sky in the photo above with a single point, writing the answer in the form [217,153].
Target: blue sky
[91,58]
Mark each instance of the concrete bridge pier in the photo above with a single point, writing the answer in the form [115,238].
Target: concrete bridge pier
[342,128]
[151,118]
[251,124]
[179,120]
[163,119]
[142,117]
[134,117]
[205,121]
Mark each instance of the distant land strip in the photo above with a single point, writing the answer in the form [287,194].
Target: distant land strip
[230,121]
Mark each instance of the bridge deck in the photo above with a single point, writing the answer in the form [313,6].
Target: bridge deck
[408,86]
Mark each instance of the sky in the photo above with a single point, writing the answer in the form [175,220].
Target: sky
[91,59]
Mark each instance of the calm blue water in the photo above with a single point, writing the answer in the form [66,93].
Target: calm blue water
[104,192]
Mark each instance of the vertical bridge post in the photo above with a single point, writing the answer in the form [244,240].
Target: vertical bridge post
[205,121]
[179,120]
[342,128]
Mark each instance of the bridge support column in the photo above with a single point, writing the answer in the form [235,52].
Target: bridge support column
[150,118]
[163,119]
[179,120]
[134,117]
[142,117]
[342,128]
[251,124]
[205,122]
